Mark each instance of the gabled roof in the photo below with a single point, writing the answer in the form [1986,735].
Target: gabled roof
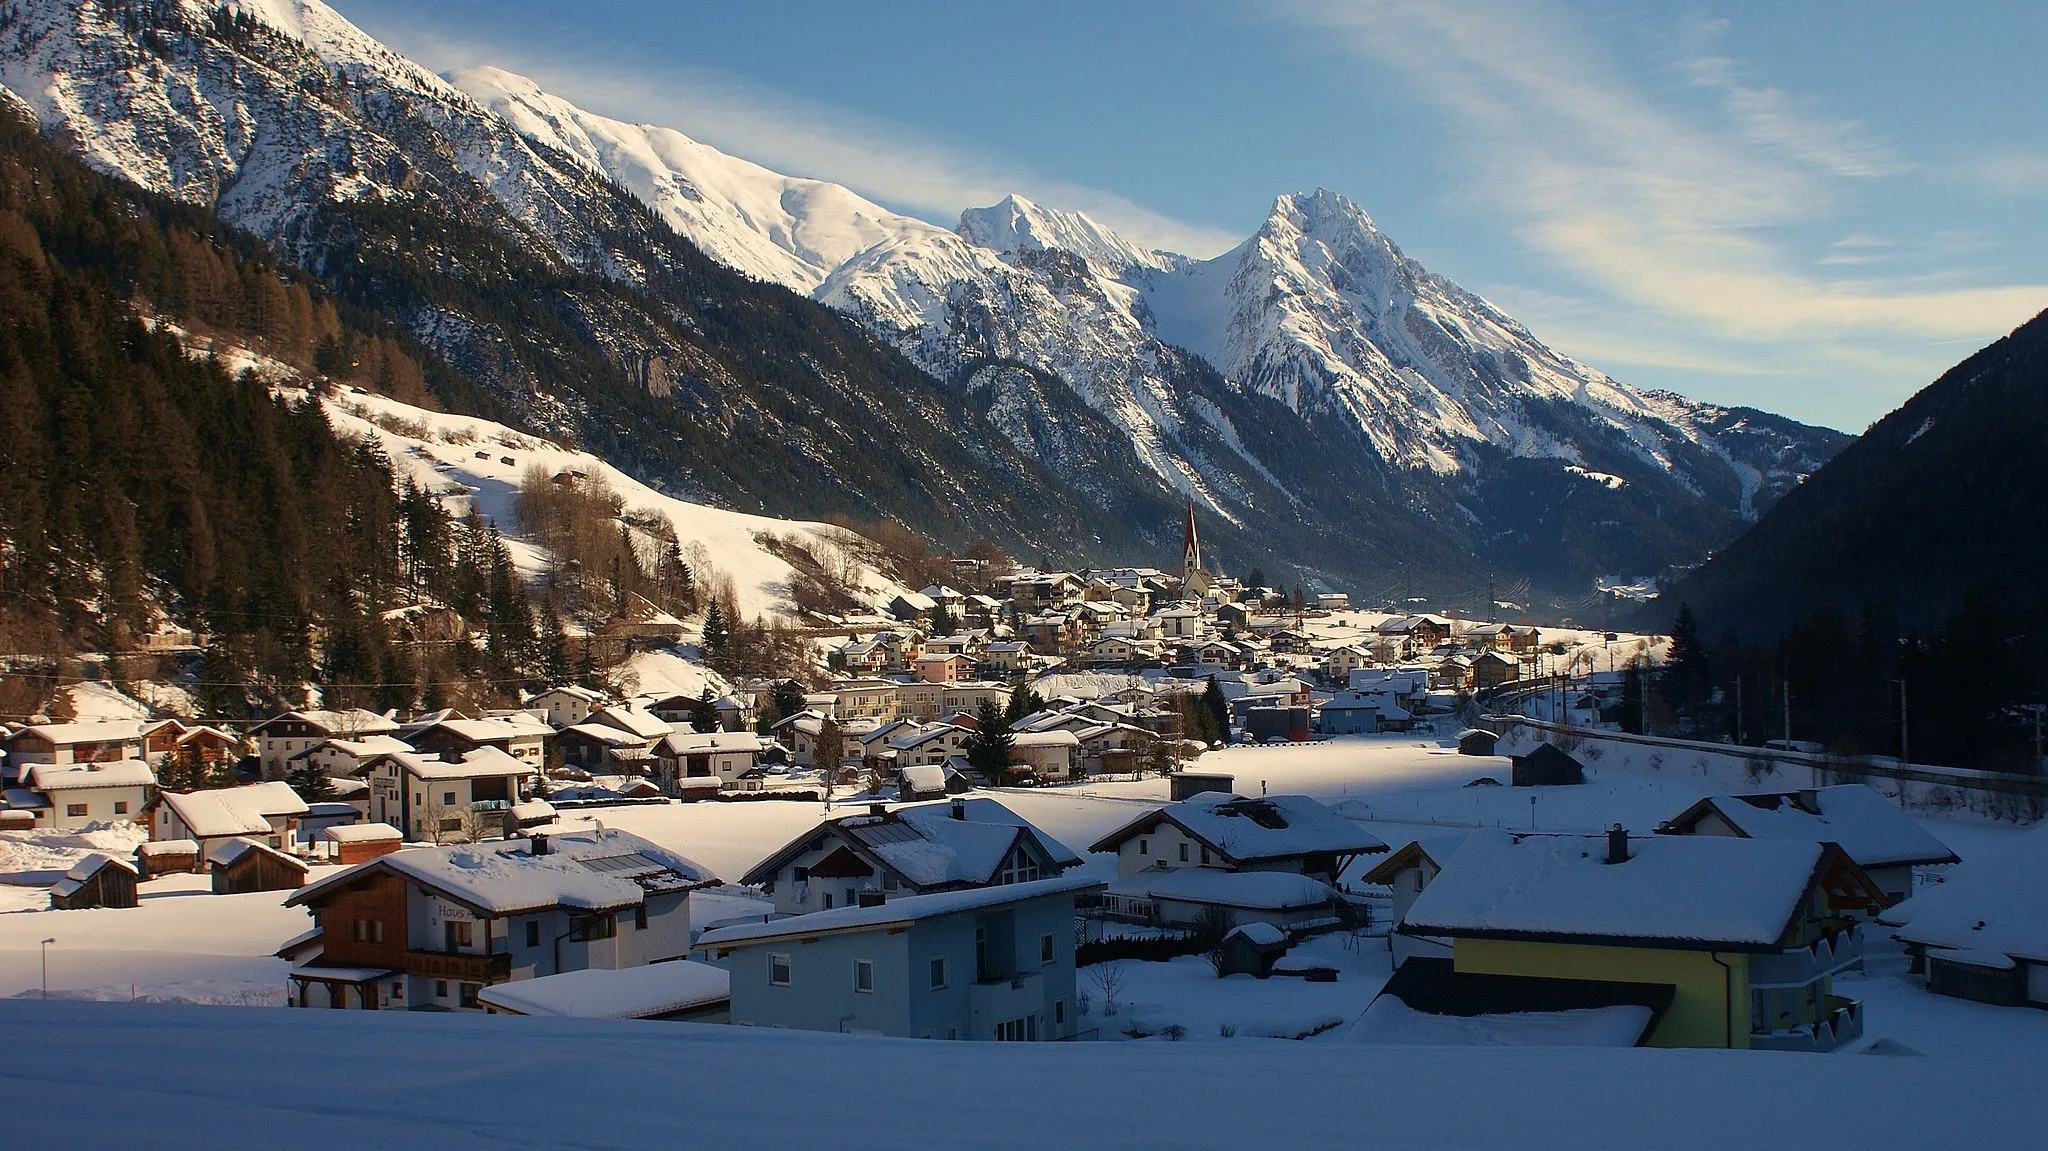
[99,731]
[925,846]
[1694,892]
[1249,830]
[1993,906]
[476,763]
[900,912]
[227,851]
[582,871]
[625,993]
[1851,815]
[1436,852]
[698,742]
[354,721]
[1252,890]
[484,731]
[233,810]
[82,872]
[574,691]
[84,776]
[628,718]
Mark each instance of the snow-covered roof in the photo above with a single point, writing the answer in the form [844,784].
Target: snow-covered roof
[477,763]
[639,721]
[585,871]
[1996,904]
[361,833]
[1055,738]
[359,749]
[1854,817]
[227,851]
[626,993]
[606,734]
[895,912]
[1261,890]
[156,847]
[85,869]
[1696,889]
[1269,827]
[101,731]
[1259,933]
[505,727]
[690,742]
[234,810]
[1391,1021]
[573,691]
[925,778]
[926,846]
[354,721]
[82,776]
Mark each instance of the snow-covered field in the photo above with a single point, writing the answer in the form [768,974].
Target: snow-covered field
[183,944]
[170,1076]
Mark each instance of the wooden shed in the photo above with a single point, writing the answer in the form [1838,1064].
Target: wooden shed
[166,857]
[1476,741]
[1547,766]
[1251,949]
[98,880]
[240,866]
[360,842]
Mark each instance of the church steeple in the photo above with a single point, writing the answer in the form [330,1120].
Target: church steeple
[1193,579]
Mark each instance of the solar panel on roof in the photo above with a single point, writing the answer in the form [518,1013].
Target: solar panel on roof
[632,861]
[877,834]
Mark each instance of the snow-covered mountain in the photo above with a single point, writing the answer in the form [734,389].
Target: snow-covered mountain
[1345,411]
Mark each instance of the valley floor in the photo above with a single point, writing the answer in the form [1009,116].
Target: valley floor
[185,945]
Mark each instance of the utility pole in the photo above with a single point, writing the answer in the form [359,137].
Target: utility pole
[1788,714]
[46,958]
[1905,749]
[1738,709]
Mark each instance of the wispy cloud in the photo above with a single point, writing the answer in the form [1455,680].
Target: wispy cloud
[2014,171]
[908,170]
[1644,203]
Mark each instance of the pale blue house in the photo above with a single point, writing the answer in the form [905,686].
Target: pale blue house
[994,963]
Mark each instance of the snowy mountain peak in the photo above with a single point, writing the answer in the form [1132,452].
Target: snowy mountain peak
[1015,224]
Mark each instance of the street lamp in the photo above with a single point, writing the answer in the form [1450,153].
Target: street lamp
[46,965]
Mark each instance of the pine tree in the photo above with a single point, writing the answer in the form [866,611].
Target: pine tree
[988,746]
[717,632]
[943,622]
[704,713]
[830,748]
[553,645]
[311,782]
[1217,730]
[1023,702]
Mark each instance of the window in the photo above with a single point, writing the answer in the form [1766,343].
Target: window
[1023,1029]
[368,930]
[461,933]
[828,901]
[533,933]
[120,807]
[938,974]
[469,990]
[778,971]
[448,797]
[1018,867]
[1205,857]
[586,928]
[398,989]
[1047,951]
[1059,1012]
[440,989]
[863,976]
[1144,847]
[640,918]
[74,810]
[1183,853]
[802,874]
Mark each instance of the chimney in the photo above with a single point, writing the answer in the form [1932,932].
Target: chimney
[1809,800]
[1617,844]
[539,843]
[873,898]
[878,810]
[959,808]
[450,755]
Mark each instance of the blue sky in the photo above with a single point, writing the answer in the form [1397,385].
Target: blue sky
[1811,208]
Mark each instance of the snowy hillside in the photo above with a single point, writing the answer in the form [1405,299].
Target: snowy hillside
[473,462]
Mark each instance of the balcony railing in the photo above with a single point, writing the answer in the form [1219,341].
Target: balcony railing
[1843,1023]
[458,965]
[1799,966]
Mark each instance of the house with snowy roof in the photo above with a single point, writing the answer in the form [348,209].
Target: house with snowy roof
[518,734]
[281,735]
[66,743]
[1405,871]
[167,737]
[992,963]
[445,797]
[1982,934]
[567,704]
[1273,859]
[267,812]
[1046,755]
[690,763]
[683,990]
[68,795]
[910,850]
[1739,938]
[239,866]
[1883,840]
[428,928]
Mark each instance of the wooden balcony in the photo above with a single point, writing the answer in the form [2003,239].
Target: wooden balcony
[458,965]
